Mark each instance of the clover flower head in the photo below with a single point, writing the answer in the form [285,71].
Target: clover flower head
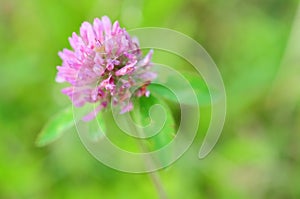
[104,66]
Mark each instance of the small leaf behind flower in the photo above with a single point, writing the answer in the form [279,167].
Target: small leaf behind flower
[56,126]
[197,84]
[161,118]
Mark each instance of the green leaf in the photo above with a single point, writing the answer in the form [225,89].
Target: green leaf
[161,117]
[161,123]
[56,127]
[197,85]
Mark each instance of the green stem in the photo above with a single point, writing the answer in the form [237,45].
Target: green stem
[154,176]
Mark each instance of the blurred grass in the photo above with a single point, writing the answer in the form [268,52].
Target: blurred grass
[257,155]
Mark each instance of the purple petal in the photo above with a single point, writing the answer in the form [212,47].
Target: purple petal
[127,108]
[98,69]
[98,27]
[87,33]
[75,41]
[128,69]
[108,83]
[107,26]
[148,76]
[147,59]
[116,28]
[93,114]
[147,93]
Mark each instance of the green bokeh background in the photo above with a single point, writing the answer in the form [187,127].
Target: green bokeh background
[251,41]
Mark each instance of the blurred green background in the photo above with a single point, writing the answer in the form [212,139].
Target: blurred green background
[256,47]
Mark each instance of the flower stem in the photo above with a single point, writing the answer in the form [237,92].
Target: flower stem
[154,176]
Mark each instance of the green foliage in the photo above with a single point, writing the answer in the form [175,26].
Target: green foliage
[197,84]
[161,117]
[56,126]
[166,128]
